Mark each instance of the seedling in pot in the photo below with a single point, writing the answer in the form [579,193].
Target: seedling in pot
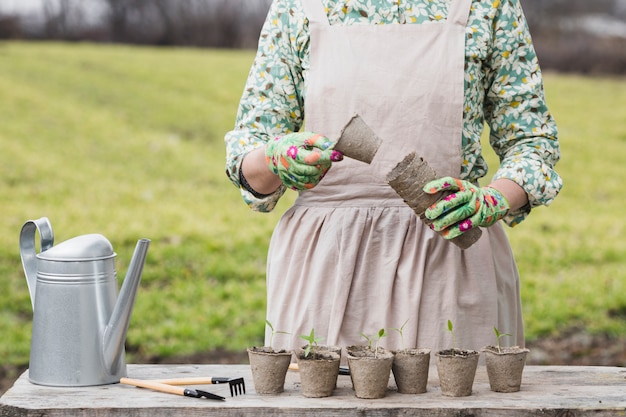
[376,338]
[269,366]
[456,368]
[313,342]
[410,367]
[318,366]
[273,333]
[370,366]
[505,365]
[499,336]
[401,330]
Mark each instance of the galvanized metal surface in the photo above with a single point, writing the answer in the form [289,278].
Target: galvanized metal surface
[79,322]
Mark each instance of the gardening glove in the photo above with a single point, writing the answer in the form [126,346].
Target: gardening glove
[301,159]
[464,206]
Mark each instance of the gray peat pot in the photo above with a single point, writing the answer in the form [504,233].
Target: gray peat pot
[408,178]
[505,367]
[410,370]
[457,371]
[269,369]
[318,371]
[358,141]
[369,371]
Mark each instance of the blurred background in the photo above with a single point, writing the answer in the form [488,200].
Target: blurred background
[572,35]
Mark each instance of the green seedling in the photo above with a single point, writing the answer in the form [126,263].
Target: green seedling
[273,333]
[376,338]
[499,336]
[451,330]
[401,330]
[370,340]
[313,341]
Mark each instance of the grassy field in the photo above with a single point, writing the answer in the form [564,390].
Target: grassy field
[128,142]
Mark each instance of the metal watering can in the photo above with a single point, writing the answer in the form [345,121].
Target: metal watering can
[79,322]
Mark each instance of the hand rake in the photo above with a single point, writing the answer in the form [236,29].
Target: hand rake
[237,385]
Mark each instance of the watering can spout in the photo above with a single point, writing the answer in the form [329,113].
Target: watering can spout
[114,335]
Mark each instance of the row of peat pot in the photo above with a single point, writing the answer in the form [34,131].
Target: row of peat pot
[370,369]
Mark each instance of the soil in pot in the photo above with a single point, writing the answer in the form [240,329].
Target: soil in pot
[505,367]
[269,369]
[410,370]
[457,369]
[325,348]
[318,371]
[369,370]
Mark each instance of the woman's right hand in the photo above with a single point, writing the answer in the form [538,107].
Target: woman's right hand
[301,159]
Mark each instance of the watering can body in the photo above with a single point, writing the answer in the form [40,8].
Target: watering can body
[79,320]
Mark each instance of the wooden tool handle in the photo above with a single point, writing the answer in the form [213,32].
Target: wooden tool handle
[153,385]
[200,380]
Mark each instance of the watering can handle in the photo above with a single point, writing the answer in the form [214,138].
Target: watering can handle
[28,251]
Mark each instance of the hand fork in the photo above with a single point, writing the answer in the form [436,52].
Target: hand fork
[237,385]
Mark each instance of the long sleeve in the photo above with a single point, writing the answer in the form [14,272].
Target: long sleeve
[272,101]
[523,132]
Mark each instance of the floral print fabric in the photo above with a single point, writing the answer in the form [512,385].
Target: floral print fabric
[503,89]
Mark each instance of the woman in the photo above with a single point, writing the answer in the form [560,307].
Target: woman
[350,257]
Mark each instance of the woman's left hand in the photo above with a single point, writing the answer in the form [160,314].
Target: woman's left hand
[464,206]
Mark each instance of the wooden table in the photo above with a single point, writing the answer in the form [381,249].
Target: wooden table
[564,391]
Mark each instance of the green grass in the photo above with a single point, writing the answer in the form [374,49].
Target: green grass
[128,142]
[571,255]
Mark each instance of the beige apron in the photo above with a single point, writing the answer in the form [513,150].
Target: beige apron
[350,257]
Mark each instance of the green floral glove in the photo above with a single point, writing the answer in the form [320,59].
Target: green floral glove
[301,159]
[463,207]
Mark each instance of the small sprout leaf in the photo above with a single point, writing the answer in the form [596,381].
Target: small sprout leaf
[450,329]
[499,336]
[273,333]
[313,341]
[401,331]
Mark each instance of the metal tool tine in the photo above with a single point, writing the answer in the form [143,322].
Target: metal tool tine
[237,385]
[199,393]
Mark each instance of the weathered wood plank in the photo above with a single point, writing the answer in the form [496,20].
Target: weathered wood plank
[557,391]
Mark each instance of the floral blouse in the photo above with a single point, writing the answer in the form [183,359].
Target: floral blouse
[503,88]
